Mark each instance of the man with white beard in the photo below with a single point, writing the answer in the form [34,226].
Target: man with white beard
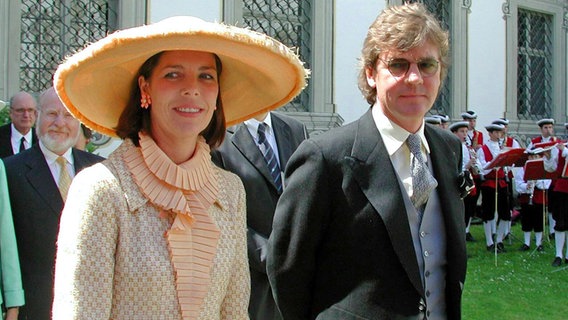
[38,181]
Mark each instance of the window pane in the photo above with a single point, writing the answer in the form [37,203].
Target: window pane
[51,30]
[288,21]
[534,66]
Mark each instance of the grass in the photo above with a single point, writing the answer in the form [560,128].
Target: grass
[523,285]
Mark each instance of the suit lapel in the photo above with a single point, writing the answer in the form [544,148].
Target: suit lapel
[243,141]
[80,162]
[283,140]
[40,178]
[444,160]
[372,169]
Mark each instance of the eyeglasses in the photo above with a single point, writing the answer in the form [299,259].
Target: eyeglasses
[24,110]
[399,67]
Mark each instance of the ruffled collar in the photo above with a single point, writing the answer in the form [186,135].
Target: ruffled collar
[184,194]
[182,188]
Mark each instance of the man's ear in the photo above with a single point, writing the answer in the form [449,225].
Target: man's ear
[370,73]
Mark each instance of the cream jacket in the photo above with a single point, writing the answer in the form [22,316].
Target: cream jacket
[113,260]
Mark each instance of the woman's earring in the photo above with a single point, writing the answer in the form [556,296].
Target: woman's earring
[145,101]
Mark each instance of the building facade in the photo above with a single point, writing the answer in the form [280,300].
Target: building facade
[509,57]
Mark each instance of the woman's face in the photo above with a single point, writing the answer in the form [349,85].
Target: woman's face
[183,88]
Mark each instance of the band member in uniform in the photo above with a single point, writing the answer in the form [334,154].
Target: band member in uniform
[471,163]
[508,142]
[533,200]
[547,135]
[556,161]
[474,137]
[493,179]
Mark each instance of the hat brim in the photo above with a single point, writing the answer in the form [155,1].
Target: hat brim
[259,73]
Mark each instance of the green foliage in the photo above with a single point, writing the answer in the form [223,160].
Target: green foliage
[518,285]
[4,115]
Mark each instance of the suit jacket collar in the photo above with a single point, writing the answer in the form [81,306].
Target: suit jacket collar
[40,178]
[244,142]
[371,163]
[283,139]
[375,174]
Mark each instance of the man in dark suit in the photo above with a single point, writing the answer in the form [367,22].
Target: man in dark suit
[37,184]
[19,134]
[371,224]
[242,154]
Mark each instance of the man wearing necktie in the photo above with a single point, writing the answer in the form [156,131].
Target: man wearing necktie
[19,134]
[258,151]
[38,181]
[371,224]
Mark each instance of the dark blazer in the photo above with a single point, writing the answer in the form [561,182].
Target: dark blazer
[240,154]
[36,208]
[341,245]
[6,142]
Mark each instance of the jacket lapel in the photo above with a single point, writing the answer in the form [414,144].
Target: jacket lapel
[373,170]
[445,163]
[243,141]
[283,140]
[40,178]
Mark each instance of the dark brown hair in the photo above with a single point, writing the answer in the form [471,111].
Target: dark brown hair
[134,118]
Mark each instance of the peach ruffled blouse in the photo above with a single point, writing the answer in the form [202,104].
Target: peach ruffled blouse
[183,193]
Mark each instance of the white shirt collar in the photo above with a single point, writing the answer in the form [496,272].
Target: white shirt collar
[252,125]
[51,157]
[393,135]
[18,136]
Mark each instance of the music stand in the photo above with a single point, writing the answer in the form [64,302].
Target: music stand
[534,170]
[515,157]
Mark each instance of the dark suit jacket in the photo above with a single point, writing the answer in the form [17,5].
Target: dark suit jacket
[240,155]
[36,208]
[341,245]
[5,140]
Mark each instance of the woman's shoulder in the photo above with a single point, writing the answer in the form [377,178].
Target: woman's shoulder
[228,180]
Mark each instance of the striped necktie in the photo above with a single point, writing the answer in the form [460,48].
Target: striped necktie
[269,157]
[64,178]
[422,180]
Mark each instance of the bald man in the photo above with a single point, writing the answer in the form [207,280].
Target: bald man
[19,134]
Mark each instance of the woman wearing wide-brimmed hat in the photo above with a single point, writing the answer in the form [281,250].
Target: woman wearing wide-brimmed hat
[157,231]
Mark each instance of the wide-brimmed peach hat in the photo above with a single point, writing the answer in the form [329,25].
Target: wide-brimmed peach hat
[259,73]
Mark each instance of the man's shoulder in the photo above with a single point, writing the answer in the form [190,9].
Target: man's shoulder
[5,129]
[293,123]
[88,156]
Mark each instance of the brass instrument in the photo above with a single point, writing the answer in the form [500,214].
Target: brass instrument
[473,155]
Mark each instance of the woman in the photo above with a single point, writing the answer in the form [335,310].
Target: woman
[11,289]
[157,231]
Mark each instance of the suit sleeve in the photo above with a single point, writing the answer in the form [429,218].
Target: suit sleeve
[299,223]
[11,280]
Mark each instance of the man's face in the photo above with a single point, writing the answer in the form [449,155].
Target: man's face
[547,130]
[23,112]
[406,96]
[57,129]
[472,123]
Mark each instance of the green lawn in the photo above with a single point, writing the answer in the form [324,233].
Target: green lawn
[523,285]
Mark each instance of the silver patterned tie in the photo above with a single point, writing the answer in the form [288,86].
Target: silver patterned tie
[422,180]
